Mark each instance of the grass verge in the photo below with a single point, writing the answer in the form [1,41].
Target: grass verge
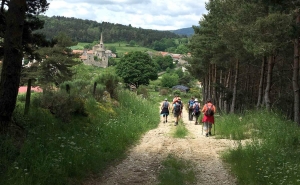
[270,156]
[61,153]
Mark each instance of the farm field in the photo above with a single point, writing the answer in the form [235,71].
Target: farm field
[120,47]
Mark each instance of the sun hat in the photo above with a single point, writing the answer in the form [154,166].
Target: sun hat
[196,99]
[166,99]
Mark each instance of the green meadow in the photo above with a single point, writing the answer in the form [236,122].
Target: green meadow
[121,47]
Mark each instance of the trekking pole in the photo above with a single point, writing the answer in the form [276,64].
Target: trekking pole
[214,129]
[202,127]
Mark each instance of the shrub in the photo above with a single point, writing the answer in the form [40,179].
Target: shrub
[61,104]
[164,92]
[143,90]
[110,81]
[177,92]
[169,80]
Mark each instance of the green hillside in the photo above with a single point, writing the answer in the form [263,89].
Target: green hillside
[89,31]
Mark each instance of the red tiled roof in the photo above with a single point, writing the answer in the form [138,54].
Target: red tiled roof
[83,57]
[164,53]
[23,89]
[77,51]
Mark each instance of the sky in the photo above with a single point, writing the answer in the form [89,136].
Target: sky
[146,14]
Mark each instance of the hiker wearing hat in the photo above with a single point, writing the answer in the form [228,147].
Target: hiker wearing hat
[165,107]
[191,109]
[196,110]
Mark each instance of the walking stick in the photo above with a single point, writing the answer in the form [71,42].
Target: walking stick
[214,129]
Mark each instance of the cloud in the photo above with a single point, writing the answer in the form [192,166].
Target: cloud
[147,14]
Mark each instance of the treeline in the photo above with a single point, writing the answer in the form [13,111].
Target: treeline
[246,53]
[88,31]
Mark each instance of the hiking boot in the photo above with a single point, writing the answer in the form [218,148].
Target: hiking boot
[209,133]
[166,121]
[206,134]
[175,124]
[163,121]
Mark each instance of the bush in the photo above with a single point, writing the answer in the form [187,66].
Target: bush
[177,92]
[164,91]
[110,81]
[169,80]
[61,104]
[76,87]
[143,90]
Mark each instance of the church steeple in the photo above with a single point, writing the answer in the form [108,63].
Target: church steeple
[101,41]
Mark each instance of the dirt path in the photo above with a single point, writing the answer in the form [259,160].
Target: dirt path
[144,160]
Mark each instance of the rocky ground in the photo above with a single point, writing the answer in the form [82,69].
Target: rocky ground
[142,165]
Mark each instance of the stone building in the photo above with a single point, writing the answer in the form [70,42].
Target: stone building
[98,56]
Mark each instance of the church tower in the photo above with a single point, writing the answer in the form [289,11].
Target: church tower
[101,42]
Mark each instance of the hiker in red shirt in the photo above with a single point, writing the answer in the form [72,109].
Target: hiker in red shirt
[208,119]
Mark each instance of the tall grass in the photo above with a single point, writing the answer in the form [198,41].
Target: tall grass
[271,155]
[65,153]
[176,171]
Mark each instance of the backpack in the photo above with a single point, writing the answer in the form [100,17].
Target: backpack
[177,108]
[209,111]
[165,105]
[197,108]
[191,103]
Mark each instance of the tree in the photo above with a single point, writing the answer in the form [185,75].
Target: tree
[137,68]
[182,49]
[112,48]
[55,64]
[164,62]
[169,80]
[17,25]
[132,43]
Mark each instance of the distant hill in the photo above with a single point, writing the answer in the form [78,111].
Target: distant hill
[80,30]
[184,31]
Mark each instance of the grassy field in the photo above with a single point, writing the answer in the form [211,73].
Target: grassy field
[121,47]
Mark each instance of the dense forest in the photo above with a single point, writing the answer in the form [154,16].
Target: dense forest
[249,58]
[88,31]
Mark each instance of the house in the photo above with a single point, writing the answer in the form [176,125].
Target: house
[181,88]
[23,89]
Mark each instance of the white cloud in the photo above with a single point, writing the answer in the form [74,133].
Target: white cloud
[147,14]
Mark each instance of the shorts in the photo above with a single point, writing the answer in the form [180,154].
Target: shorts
[177,114]
[205,125]
[197,114]
[165,114]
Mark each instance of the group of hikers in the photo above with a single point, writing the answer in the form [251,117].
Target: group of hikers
[194,109]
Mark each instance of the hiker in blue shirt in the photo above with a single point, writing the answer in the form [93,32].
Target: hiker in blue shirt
[190,106]
[165,107]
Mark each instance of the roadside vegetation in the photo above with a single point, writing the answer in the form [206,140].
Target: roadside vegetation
[270,153]
[68,135]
